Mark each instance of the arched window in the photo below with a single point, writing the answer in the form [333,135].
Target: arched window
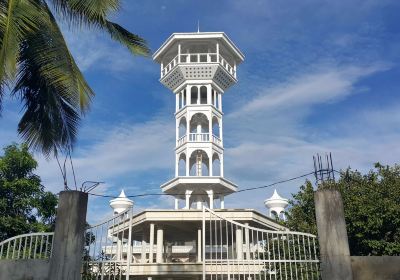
[215,127]
[203,95]
[182,127]
[199,123]
[216,166]
[199,163]
[193,94]
[182,165]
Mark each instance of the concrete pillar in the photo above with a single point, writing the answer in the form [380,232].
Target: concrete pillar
[222,202]
[247,241]
[151,239]
[143,252]
[199,245]
[239,244]
[188,193]
[69,236]
[332,235]
[176,203]
[211,198]
[160,245]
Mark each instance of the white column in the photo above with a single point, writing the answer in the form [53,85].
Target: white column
[199,246]
[151,242]
[211,198]
[199,204]
[176,203]
[143,253]
[215,98]
[187,162]
[161,69]
[176,165]
[217,51]
[187,199]
[247,240]
[160,245]
[239,244]
[221,164]
[234,68]
[177,102]
[181,93]
[119,247]
[198,94]
[209,93]
[222,201]
[188,95]
[220,101]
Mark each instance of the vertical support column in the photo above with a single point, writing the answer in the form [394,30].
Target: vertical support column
[151,239]
[129,251]
[221,164]
[211,198]
[187,199]
[247,241]
[160,245]
[332,235]
[177,165]
[188,95]
[222,201]
[176,102]
[239,244]
[187,162]
[199,245]
[199,203]
[161,69]
[176,204]
[209,93]
[69,236]
[143,252]
[220,101]
[198,95]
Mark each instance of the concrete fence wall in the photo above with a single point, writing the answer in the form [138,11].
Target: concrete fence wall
[375,267]
[24,269]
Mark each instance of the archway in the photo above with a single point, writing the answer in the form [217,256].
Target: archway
[199,163]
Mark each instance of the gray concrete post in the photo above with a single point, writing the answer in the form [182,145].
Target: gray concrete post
[332,235]
[69,236]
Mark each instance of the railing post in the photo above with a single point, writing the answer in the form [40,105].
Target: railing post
[69,236]
[129,251]
[203,231]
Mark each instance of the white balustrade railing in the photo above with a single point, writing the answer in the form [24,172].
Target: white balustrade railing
[198,58]
[198,137]
[27,246]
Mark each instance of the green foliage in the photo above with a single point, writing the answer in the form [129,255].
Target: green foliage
[24,205]
[37,66]
[371,206]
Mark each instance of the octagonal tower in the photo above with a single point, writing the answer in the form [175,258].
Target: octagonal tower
[198,68]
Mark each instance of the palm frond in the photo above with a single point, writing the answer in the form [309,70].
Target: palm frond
[52,88]
[134,43]
[17,19]
[95,13]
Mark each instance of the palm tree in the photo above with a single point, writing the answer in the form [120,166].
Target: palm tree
[37,67]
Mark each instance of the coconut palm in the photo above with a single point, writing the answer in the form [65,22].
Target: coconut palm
[37,68]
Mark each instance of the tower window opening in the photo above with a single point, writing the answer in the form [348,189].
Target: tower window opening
[215,127]
[184,98]
[182,165]
[203,95]
[199,123]
[182,127]
[199,163]
[193,94]
[216,166]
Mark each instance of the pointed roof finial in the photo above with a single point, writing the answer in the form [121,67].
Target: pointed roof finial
[198,26]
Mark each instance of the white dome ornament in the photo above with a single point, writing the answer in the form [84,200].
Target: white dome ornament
[121,203]
[276,205]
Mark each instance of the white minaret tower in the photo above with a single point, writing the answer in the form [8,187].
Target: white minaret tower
[276,205]
[198,68]
[121,203]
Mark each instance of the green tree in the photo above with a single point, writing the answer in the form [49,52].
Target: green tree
[371,207]
[24,205]
[37,67]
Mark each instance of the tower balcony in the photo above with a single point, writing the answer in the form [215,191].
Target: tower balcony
[198,137]
[198,66]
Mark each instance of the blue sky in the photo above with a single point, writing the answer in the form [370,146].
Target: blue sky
[319,76]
